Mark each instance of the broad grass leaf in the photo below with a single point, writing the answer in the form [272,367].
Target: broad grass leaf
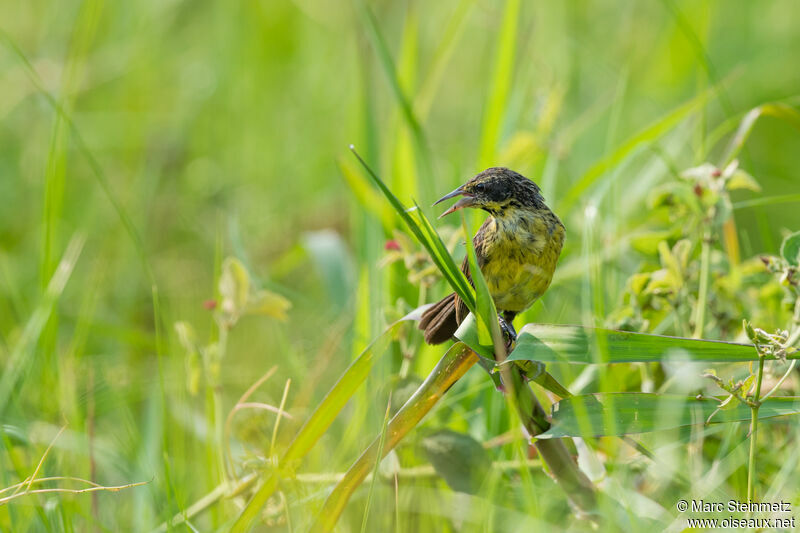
[334,262]
[458,458]
[467,333]
[790,249]
[609,414]
[576,344]
[486,311]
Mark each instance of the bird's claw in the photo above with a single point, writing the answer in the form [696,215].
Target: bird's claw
[509,333]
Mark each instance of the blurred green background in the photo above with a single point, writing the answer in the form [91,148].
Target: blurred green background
[221,129]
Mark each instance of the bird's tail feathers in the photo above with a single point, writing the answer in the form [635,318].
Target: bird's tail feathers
[439,322]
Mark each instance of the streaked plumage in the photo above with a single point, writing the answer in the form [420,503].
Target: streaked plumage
[517,248]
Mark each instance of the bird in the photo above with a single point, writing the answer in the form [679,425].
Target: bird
[517,248]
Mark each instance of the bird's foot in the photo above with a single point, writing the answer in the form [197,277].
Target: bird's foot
[509,333]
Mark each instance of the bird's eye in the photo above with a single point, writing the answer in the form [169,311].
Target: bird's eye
[480,187]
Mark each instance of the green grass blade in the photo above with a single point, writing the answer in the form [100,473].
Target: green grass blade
[450,368]
[97,170]
[502,76]
[387,63]
[19,358]
[319,422]
[575,344]
[423,230]
[375,468]
[404,175]
[646,136]
[467,333]
[768,200]
[366,195]
[778,110]
[588,414]
[390,69]
[447,44]
[445,261]
[488,328]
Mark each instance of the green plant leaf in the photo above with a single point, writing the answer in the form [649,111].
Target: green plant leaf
[23,351]
[268,303]
[646,136]
[626,413]
[334,263]
[486,311]
[501,79]
[234,286]
[768,200]
[444,260]
[423,230]
[742,180]
[790,248]
[577,344]
[467,333]
[774,109]
[458,458]
[548,382]
[319,421]
[366,195]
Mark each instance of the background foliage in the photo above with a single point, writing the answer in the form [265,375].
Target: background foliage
[177,134]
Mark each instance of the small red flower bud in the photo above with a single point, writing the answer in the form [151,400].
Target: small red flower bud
[716,173]
[210,305]
[391,245]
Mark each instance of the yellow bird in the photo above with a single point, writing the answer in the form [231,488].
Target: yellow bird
[517,249]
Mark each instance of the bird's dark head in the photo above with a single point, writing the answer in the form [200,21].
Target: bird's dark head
[496,190]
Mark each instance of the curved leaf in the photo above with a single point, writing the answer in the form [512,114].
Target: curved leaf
[458,458]
[625,413]
[578,344]
[790,248]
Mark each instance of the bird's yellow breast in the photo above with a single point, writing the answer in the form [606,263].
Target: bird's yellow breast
[521,249]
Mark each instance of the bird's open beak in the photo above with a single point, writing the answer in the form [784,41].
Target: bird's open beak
[467,201]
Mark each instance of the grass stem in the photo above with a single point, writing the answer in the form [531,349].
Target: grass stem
[751,464]
[702,296]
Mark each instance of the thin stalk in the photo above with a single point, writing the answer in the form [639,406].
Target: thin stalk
[751,466]
[278,419]
[780,381]
[215,410]
[790,342]
[448,370]
[377,464]
[563,469]
[229,489]
[312,430]
[702,296]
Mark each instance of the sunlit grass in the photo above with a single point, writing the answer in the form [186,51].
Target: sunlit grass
[142,145]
